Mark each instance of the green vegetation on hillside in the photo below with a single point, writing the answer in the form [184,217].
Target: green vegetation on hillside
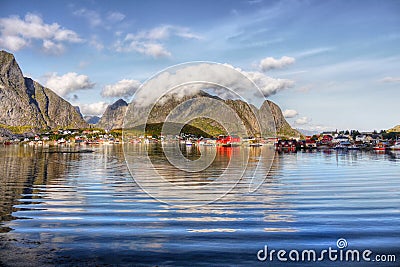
[207,125]
[17,129]
[199,127]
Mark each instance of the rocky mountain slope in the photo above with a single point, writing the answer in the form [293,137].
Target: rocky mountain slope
[26,103]
[282,126]
[269,114]
[113,117]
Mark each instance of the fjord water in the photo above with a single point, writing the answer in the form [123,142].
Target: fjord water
[85,208]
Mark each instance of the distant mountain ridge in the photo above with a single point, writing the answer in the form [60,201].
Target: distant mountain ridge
[113,117]
[26,103]
[91,119]
[307,132]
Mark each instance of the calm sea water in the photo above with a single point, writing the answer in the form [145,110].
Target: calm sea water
[85,208]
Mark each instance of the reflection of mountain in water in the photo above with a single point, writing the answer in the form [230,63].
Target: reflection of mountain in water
[233,173]
[23,168]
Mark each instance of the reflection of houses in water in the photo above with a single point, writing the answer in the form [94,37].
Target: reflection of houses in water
[265,205]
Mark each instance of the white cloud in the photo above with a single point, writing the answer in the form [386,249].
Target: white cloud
[94,42]
[166,31]
[270,63]
[155,50]
[97,19]
[290,113]
[17,33]
[96,109]
[115,16]
[305,89]
[14,43]
[53,48]
[302,121]
[124,88]
[67,83]
[204,76]
[314,51]
[92,16]
[67,35]
[82,64]
[253,2]
[390,79]
[150,42]
[268,85]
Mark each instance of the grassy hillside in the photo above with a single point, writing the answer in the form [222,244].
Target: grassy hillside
[17,129]
[200,127]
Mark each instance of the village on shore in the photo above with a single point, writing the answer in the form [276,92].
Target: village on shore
[344,140]
[340,140]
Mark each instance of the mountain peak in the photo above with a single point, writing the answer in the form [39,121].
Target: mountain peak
[6,55]
[24,102]
[113,117]
[119,103]
[10,73]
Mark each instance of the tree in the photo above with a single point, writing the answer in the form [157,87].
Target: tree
[355,133]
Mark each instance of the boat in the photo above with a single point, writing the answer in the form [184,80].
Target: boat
[353,147]
[340,146]
[343,145]
[380,146]
[396,146]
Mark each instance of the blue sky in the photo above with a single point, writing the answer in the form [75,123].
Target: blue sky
[332,64]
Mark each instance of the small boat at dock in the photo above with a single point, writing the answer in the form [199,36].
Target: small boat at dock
[353,147]
[380,146]
[396,146]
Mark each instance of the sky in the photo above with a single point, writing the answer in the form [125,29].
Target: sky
[328,64]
